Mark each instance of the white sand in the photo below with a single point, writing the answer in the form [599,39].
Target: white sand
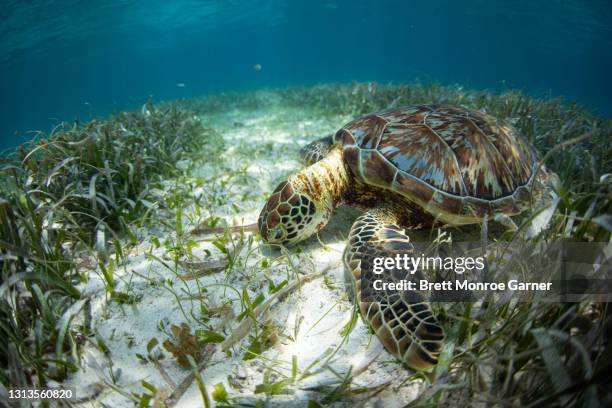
[310,320]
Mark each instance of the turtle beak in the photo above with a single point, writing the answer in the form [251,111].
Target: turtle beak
[273,235]
[262,226]
[290,216]
[270,230]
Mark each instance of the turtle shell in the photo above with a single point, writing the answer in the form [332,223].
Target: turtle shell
[458,164]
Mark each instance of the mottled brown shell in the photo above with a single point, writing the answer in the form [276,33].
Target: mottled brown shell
[457,164]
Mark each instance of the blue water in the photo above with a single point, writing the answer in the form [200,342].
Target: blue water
[61,60]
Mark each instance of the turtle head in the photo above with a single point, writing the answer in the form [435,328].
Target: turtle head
[292,214]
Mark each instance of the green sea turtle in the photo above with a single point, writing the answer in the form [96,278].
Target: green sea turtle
[407,168]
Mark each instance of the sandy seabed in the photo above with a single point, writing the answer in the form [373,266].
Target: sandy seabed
[309,320]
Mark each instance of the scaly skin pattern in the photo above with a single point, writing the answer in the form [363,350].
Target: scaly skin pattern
[315,151]
[302,205]
[407,167]
[402,321]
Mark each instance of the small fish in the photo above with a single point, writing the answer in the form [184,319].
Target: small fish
[180,85]
[257,67]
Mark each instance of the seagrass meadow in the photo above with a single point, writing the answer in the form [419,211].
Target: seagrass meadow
[130,271]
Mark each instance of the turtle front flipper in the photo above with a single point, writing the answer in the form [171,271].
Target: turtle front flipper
[315,151]
[402,320]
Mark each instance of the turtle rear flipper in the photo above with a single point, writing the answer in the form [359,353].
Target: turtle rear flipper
[403,320]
